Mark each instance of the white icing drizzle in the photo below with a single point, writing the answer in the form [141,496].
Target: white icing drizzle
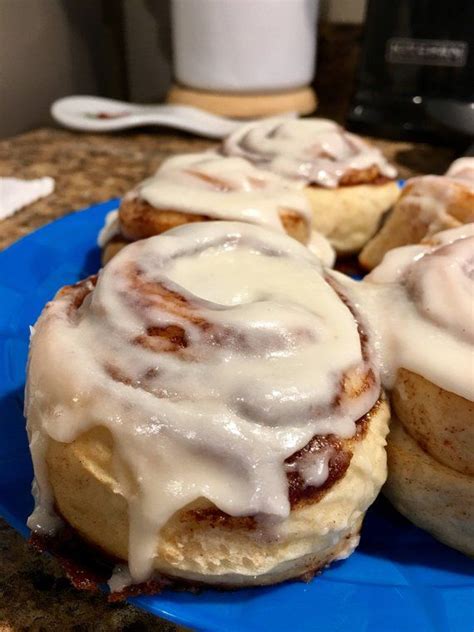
[429,197]
[120,578]
[449,236]
[224,188]
[315,471]
[267,342]
[316,151]
[397,262]
[462,169]
[321,247]
[450,267]
[110,229]
[420,303]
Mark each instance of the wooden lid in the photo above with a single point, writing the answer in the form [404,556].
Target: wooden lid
[302,101]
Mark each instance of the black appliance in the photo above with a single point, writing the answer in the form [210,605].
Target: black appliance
[416,76]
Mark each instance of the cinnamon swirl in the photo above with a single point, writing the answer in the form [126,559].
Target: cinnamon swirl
[205,186]
[428,204]
[208,408]
[422,304]
[349,182]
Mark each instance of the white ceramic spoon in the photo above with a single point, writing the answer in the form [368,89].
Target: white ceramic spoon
[95,114]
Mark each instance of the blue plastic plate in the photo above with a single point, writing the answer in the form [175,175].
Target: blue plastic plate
[399,579]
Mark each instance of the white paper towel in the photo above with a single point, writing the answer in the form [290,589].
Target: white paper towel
[16,193]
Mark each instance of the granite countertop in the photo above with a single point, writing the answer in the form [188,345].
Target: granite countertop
[90,168]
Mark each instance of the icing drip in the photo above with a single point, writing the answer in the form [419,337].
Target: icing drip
[110,229]
[223,188]
[420,304]
[120,579]
[321,247]
[315,471]
[314,151]
[211,353]
[450,267]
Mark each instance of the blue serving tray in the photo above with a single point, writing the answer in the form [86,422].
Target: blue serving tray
[399,579]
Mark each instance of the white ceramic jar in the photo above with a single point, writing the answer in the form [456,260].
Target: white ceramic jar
[244,45]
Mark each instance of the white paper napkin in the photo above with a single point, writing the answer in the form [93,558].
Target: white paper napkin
[16,193]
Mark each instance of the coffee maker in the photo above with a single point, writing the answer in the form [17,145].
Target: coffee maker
[416,76]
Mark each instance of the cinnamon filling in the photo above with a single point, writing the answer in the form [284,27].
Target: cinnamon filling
[255,382]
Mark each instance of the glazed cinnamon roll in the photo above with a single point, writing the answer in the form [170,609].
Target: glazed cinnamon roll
[205,186]
[422,302]
[205,424]
[349,183]
[428,204]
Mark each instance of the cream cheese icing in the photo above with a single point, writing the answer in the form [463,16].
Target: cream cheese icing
[314,151]
[320,246]
[420,304]
[462,169]
[228,188]
[110,229]
[266,343]
[432,196]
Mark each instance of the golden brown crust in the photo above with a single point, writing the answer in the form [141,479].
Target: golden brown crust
[407,224]
[430,464]
[139,220]
[195,543]
[89,568]
[350,215]
[441,422]
[369,175]
[292,223]
[435,497]
[295,225]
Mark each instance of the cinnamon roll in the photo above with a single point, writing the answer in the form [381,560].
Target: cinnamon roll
[205,186]
[421,298]
[207,409]
[349,183]
[428,204]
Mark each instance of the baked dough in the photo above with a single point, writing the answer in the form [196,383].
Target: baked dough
[349,182]
[207,186]
[428,205]
[202,544]
[421,301]
[440,421]
[139,220]
[218,427]
[350,215]
[435,497]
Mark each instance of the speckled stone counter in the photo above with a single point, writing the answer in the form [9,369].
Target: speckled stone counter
[91,168]
[34,595]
